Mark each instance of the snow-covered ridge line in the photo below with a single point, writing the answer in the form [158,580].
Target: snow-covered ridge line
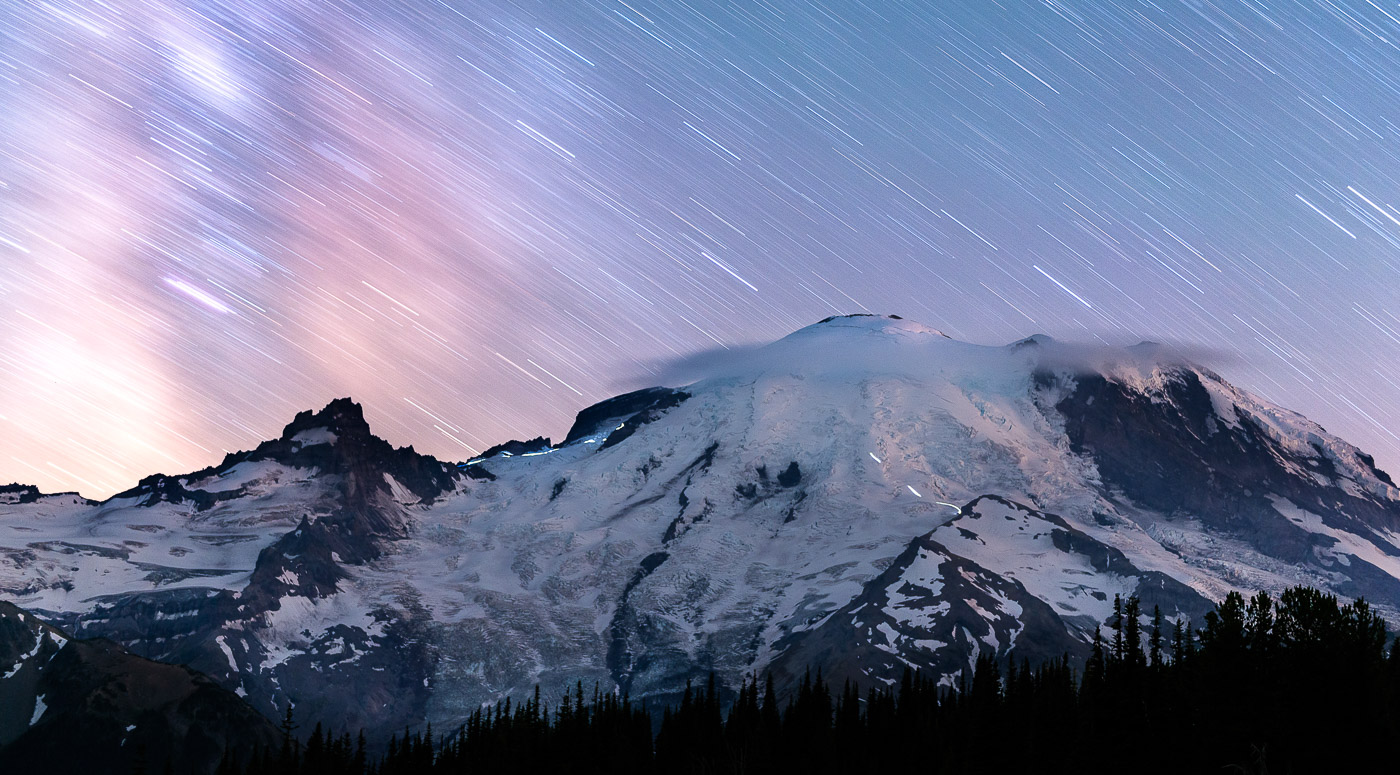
[864,494]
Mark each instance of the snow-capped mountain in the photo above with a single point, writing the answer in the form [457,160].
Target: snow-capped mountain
[863,495]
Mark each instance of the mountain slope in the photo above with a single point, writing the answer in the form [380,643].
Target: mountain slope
[861,495]
[91,706]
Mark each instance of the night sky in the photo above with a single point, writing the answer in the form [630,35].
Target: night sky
[478,217]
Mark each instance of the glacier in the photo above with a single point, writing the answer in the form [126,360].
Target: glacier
[864,495]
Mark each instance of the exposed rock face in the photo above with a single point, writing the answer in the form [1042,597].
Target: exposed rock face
[513,447]
[936,609]
[90,706]
[632,409]
[18,494]
[864,495]
[1169,451]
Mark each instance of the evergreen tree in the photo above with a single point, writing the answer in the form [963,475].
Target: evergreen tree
[1224,632]
[138,760]
[1116,624]
[1259,625]
[1154,638]
[1096,669]
[361,758]
[1132,657]
[1178,641]
[287,763]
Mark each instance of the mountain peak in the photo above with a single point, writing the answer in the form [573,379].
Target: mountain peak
[867,321]
[1034,340]
[340,418]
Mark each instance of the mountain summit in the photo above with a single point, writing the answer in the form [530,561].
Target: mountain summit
[863,495]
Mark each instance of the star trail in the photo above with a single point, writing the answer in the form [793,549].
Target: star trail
[477,218]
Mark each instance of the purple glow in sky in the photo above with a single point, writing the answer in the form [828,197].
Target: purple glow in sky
[476,218]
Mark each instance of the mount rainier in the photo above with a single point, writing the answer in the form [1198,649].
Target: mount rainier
[862,496]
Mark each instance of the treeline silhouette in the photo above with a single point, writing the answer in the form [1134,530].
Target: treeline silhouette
[1301,684]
